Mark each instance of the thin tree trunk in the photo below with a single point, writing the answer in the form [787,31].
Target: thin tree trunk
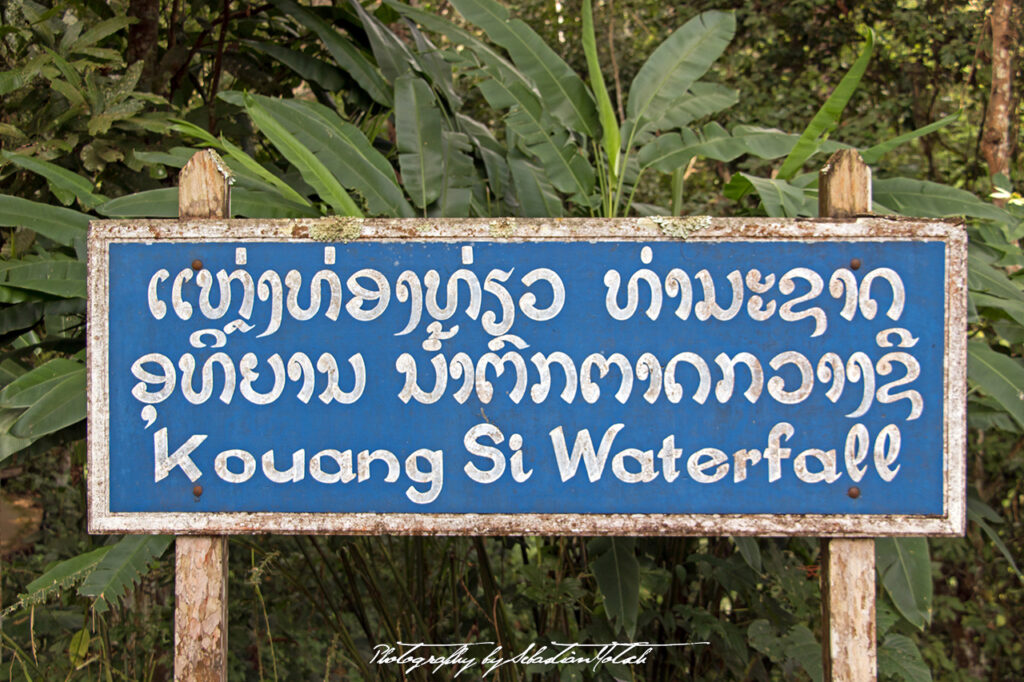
[996,142]
[143,38]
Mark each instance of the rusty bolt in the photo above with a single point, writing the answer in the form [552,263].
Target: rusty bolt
[197,490]
[197,264]
[854,264]
[853,492]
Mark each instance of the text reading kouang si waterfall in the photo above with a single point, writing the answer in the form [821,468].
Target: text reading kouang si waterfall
[530,377]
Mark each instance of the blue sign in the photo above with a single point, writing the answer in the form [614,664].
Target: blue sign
[509,377]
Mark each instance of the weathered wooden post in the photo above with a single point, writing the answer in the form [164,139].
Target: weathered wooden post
[201,565]
[847,564]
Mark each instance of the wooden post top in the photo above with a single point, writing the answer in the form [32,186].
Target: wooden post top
[844,186]
[204,187]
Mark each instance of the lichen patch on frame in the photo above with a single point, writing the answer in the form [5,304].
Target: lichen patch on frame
[681,228]
[339,229]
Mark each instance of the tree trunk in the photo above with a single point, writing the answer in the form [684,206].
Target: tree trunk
[996,140]
[143,37]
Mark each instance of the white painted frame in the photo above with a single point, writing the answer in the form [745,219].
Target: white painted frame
[702,229]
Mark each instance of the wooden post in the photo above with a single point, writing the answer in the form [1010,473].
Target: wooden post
[201,566]
[848,648]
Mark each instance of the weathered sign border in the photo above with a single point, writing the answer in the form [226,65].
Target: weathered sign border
[703,229]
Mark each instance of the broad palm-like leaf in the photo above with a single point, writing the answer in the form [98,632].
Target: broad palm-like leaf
[909,196]
[536,196]
[999,376]
[62,225]
[66,185]
[53,277]
[122,567]
[827,118]
[906,574]
[418,132]
[343,150]
[348,56]
[61,406]
[32,385]
[302,157]
[617,573]
[567,168]
[677,64]
[559,87]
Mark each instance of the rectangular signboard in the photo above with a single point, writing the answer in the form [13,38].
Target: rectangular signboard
[634,376]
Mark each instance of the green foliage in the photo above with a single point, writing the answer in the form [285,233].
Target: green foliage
[618,577]
[121,568]
[905,571]
[61,577]
[391,109]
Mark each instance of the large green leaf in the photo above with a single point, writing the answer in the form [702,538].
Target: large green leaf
[328,76]
[563,93]
[981,514]
[255,203]
[671,151]
[827,118]
[61,577]
[459,176]
[779,198]
[348,56]
[610,139]
[16,318]
[1014,309]
[66,185]
[302,157]
[568,170]
[873,154]
[63,278]
[677,64]
[906,573]
[984,275]
[506,71]
[750,552]
[435,65]
[122,567]
[899,658]
[490,151]
[34,384]
[617,572]
[150,203]
[702,99]
[418,133]
[61,406]
[802,647]
[534,193]
[392,55]
[241,164]
[999,376]
[62,225]
[10,444]
[343,150]
[933,200]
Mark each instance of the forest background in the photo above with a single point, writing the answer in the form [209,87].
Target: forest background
[101,104]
